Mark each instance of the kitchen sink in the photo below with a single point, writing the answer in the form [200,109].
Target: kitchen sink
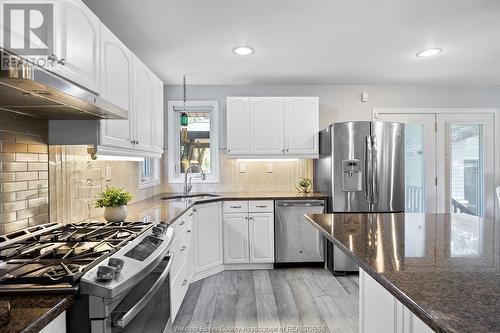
[194,196]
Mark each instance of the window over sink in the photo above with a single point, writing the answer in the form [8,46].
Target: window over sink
[196,143]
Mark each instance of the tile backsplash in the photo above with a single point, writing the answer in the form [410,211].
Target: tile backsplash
[23,172]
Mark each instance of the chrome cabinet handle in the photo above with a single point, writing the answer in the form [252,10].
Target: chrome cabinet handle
[183,248]
[261,206]
[191,214]
[251,218]
[184,282]
[283,151]
[52,58]
[246,217]
[123,320]
[287,150]
[235,206]
[195,210]
[188,231]
[182,222]
[62,62]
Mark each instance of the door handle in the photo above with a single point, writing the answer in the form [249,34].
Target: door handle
[368,166]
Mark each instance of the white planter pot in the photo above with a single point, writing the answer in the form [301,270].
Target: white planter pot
[115,214]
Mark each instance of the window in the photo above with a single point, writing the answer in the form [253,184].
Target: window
[150,173]
[194,144]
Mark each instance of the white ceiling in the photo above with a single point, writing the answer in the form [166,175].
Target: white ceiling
[311,41]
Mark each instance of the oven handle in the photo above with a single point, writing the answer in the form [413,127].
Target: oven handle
[124,320]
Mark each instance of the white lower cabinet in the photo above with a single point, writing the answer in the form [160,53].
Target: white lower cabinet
[248,236]
[380,312]
[207,237]
[178,289]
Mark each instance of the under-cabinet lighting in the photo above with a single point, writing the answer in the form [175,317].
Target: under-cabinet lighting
[117,158]
[266,159]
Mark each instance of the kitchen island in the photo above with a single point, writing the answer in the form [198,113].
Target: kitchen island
[441,268]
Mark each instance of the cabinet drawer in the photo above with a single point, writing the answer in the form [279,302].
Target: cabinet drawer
[235,206]
[178,288]
[180,249]
[181,222]
[261,206]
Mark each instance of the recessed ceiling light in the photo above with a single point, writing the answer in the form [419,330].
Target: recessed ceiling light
[243,50]
[429,52]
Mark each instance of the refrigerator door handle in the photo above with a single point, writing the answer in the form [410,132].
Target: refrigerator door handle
[374,176]
[368,168]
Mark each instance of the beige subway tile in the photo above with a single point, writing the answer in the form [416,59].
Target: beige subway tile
[43,175]
[7,217]
[38,202]
[13,206]
[15,226]
[39,219]
[7,137]
[14,166]
[44,209]
[7,196]
[32,166]
[7,176]
[40,149]
[30,139]
[26,157]
[31,175]
[26,213]
[7,157]
[35,184]
[9,147]
[28,194]
[43,157]
[14,186]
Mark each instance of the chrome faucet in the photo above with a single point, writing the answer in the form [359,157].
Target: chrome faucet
[188,186]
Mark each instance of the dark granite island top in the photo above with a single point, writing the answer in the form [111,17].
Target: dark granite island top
[31,313]
[443,267]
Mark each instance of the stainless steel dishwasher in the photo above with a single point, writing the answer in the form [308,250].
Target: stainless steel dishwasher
[296,241]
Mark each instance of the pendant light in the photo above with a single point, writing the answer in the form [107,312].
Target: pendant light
[184,115]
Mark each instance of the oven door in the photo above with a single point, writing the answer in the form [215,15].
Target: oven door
[146,307]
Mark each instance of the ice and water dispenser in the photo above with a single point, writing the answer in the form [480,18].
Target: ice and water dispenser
[351,180]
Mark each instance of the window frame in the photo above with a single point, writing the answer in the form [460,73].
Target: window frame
[173,163]
[154,180]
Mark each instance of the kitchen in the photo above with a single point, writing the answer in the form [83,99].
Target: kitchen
[316,166]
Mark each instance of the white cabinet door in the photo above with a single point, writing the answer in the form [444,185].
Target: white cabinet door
[77,44]
[159,140]
[261,234]
[207,237]
[380,312]
[267,115]
[301,125]
[238,125]
[235,238]
[116,87]
[143,106]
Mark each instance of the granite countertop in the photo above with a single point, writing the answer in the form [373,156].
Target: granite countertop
[32,313]
[443,267]
[168,211]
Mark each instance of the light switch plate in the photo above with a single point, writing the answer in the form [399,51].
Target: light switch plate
[269,168]
[243,168]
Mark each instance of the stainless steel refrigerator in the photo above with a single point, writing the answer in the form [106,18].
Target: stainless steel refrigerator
[361,168]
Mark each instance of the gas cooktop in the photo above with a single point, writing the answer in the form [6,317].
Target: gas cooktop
[53,257]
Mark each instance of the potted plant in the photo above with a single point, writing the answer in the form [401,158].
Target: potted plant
[304,185]
[114,201]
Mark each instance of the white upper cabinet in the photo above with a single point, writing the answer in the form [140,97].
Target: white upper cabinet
[272,126]
[301,125]
[143,105]
[238,125]
[116,87]
[158,112]
[77,44]
[267,117]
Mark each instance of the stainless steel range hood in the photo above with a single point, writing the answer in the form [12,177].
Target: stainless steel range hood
[31,90]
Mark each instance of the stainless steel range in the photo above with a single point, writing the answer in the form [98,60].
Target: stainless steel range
[119,272]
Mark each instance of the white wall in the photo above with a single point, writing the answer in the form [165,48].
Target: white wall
[343,103]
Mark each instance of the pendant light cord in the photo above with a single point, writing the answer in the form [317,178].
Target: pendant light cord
[185,90]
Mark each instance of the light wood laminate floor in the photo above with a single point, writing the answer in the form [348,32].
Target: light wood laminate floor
[282,300]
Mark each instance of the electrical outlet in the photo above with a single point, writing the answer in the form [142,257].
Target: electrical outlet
[269,168]
[243,168]
[108,174]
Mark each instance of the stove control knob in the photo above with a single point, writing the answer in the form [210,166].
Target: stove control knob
[117,263]
[157,231]
[105,273]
